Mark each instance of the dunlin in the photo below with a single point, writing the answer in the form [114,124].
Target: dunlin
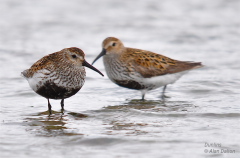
[59,75]
[140,69]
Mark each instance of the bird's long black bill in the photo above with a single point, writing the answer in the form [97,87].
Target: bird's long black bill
[85,63]
[100,55]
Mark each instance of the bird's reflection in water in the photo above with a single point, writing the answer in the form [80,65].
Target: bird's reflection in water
[154,105]
[47,125]
[123,120]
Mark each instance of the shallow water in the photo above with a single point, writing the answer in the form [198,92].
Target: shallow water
[104,120]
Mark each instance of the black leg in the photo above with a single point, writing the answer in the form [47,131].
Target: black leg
[164,88]
[49,107]
[62,104]
[143,95]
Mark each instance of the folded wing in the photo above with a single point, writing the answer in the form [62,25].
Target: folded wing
[150,64]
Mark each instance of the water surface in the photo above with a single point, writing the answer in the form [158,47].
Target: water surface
[104,120]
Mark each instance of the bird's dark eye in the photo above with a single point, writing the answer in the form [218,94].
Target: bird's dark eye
[74,56]
[113,44]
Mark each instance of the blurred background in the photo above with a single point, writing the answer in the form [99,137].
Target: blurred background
[202,107]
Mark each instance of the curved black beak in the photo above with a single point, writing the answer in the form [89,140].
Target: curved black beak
[100,55]
[85,63]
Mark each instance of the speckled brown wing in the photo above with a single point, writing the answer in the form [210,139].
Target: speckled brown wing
[150,64]
[43,63]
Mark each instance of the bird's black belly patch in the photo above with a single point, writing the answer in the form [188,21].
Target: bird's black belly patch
[130,84]
[52,91]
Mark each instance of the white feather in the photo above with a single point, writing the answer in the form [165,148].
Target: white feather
[159,81]
[38,79]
